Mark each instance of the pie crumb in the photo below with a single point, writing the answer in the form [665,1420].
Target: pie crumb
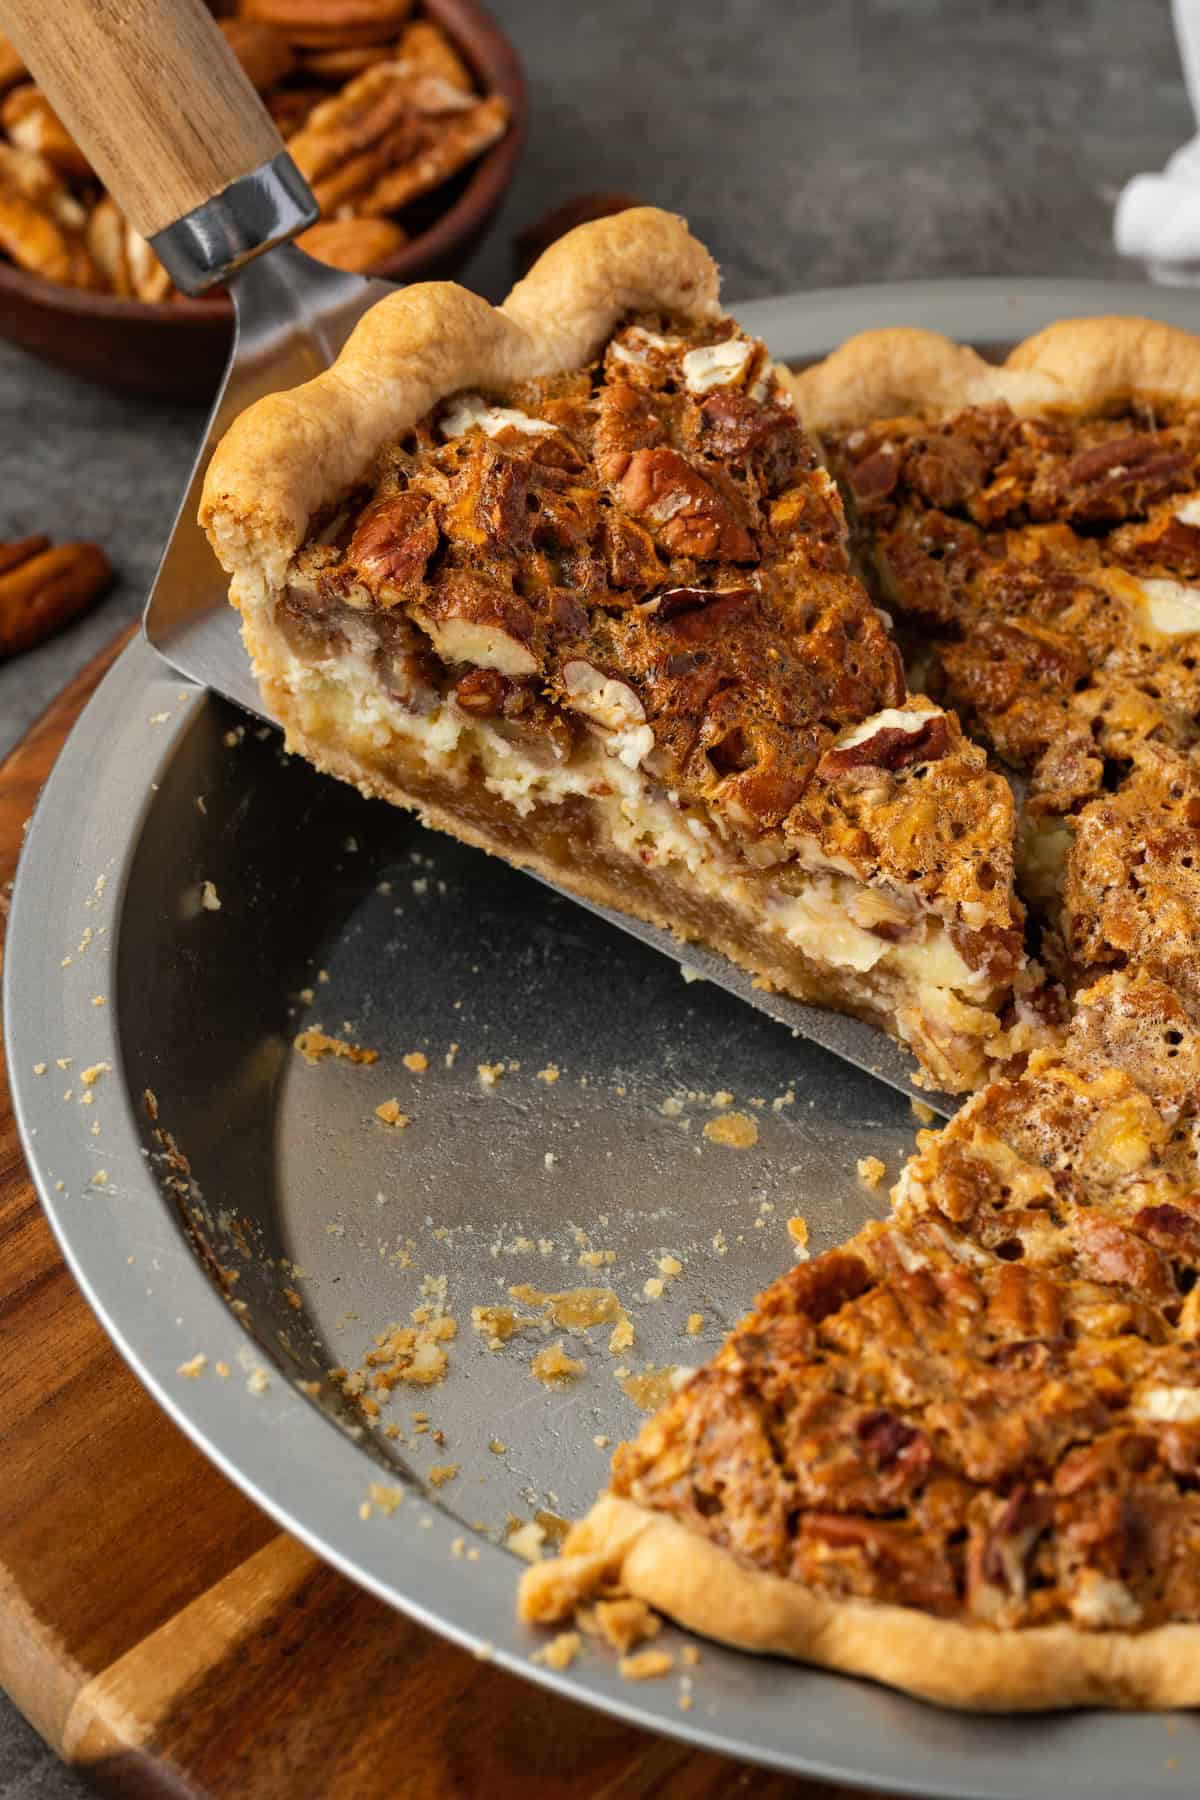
[695,1324]
[553,1365]
[389,1114]
[526,1541]
[549,1074]
[416,1061]
[315,1044]
[871,1170]
[736,1130]
[489,1073]
[440,1473]
[624,1623]
[560,1652]
[209,898]
[653,1289]
[689,1656]
[925,1113]
[646,1665]
[387,1499]
[194,1367]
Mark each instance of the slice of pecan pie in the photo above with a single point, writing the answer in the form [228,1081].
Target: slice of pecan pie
[568,578]
[1037,527]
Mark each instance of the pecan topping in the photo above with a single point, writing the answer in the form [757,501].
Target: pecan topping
[392,543]
[684,512]
[891,746]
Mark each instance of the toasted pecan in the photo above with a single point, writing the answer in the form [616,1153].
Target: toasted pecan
[353,244]
[43,588]
[320,24]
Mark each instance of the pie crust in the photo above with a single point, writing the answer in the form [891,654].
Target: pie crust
[626,1548]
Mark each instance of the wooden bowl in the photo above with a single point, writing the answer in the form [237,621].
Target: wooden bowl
[177,349]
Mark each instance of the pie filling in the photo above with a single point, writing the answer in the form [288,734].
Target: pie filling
[1051,569]
[604,623]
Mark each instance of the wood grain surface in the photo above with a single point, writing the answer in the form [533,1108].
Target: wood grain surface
[167,1639]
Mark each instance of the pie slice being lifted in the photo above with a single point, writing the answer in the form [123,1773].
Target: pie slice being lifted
[568,578]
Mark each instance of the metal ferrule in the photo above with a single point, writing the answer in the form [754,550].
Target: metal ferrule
[266,207]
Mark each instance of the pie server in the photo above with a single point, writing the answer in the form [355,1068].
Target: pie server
[173,128]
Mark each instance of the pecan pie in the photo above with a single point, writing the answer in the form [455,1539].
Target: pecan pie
[962,1454]
[1037,527]
[568,578]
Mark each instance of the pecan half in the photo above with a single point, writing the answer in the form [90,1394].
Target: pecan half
[43,588]
[675,600]
[318,24]
[889,747]
[355,245]
[391,546]
[685,512]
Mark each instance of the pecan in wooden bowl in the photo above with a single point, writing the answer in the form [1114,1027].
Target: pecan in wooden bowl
[405,116]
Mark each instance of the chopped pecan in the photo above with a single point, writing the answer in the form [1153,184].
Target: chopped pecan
[890,746]
[472,619]
[1110,1252]
[481,692]
[625,422]
[448,141]
[1111,477]
[945,470]
[873,480]
[675,600]
[1171,1229]
[685,513]
[42,589]
[423,47]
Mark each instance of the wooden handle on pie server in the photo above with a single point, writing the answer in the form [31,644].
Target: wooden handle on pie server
[153,95]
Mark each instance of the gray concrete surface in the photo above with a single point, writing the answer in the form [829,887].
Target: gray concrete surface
[810,142]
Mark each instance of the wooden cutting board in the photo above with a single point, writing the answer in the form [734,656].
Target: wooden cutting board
[169,1640]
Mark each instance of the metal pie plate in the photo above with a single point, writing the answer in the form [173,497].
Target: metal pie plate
[416,943]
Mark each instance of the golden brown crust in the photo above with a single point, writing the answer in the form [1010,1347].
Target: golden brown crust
[293,452]
[1075,365]
[974,1668]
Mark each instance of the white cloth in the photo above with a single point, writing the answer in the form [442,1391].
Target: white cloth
[1158,216]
